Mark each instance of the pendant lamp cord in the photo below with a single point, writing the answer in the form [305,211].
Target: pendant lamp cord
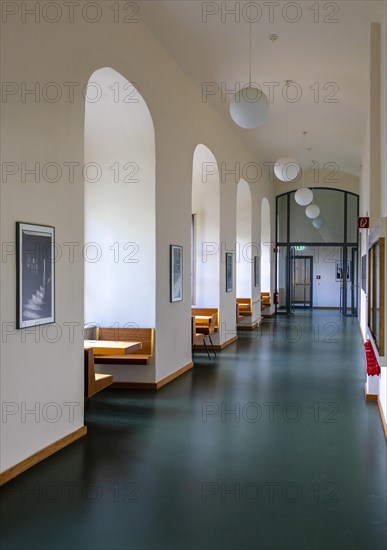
[303,168]
[250,48]
[287,117]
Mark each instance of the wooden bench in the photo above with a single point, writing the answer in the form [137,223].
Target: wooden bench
[94,382]
[206,312]
[245,306]
[143,356]
[265,299]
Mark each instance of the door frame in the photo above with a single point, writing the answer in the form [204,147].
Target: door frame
[310,306]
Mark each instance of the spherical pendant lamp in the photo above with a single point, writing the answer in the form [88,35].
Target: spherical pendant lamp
[286,169]
[312,211]
[303,196]
[318,222]
[249,108]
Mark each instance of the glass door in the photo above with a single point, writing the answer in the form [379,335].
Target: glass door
[282,279]
[302,276]
[349,282]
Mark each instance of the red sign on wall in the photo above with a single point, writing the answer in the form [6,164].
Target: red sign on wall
[363,223]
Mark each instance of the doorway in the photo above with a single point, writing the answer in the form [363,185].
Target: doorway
[301,295]
[349,284]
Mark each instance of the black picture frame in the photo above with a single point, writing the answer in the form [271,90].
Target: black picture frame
[229,272]
[257,270]
[35,267]
[176,273]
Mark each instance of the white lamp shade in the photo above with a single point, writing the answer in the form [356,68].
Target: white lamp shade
[318,222]
[312,211]
[303,196]
[286,169]
[249,108]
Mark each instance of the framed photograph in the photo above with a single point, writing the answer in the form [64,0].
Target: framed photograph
[257,269]
[35,257]
[229,272]
[176,273]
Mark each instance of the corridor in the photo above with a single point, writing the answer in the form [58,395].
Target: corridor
[269,446]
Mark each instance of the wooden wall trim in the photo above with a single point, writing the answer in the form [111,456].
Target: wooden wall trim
[219,347]
[151,385]
[37,457]
[382,417]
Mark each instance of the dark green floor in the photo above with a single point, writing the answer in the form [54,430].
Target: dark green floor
[300,464]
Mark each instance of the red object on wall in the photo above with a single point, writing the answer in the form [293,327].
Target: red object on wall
[318,276]
[276,298]
[363,222]
[373,368]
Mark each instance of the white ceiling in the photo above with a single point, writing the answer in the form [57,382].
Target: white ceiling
[305,52]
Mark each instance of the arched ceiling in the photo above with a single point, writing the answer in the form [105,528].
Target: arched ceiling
[324,51]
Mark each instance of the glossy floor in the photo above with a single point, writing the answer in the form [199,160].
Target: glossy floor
[270,446]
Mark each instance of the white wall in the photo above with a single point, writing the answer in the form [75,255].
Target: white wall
[246,249]
[373,183]
[326,291]
[39,130]
[120,278]
[205,204]
[266,247]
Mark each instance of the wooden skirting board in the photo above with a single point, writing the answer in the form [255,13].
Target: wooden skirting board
[369,396]
[27,463]
[327,307]
[219,347]
[382,417]
[151,385]
[254,326]
[267,314]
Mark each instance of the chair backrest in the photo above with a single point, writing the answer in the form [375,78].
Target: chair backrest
[197,337]
[90,332]
[207,311]
[144,335]
[212,323]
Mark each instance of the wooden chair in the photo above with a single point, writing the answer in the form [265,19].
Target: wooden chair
[198,338]
[94,382]
[207,330]
[207,312]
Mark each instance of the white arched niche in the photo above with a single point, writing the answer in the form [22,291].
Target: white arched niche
[206,250]
[245,249]
[266,246]
[120,173]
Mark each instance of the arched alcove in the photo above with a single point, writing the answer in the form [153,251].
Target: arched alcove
[205,229]
[266,246]
[245,248]
[119,176]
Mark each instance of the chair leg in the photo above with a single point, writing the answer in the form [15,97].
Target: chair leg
[212,344]
[205,345]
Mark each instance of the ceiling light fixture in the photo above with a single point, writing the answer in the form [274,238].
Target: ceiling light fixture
[286,168]
[249,108]
[303,196]
[318,222]
[312,211]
